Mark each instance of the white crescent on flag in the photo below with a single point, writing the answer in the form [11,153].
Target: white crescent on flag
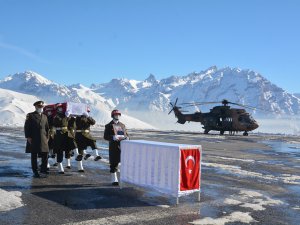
[190,158]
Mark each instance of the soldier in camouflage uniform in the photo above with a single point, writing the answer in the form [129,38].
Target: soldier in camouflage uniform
[83,136]
[60,122]
[49,115]
[72,145]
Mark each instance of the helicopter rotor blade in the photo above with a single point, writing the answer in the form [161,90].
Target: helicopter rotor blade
[253,108]
[245,106]
[176,101]
[224,102]
[178,107]
[173,106]
[199,103]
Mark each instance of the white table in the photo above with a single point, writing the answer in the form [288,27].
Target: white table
[173,169]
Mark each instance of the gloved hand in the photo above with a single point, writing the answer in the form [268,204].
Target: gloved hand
[67,113]
[115,138]
[118,137]
[121,137]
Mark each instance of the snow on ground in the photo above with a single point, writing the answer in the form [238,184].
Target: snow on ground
[235,159]
[246,199]
[237,171]
[233,217]
[137,218]
[10,200]
[252,199]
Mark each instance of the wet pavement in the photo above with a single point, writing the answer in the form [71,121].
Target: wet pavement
[245,180]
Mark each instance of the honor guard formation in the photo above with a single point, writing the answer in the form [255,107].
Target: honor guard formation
[62,130]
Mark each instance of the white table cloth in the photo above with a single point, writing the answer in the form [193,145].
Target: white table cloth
[174,169]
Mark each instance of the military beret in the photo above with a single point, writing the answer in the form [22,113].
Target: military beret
[38,103]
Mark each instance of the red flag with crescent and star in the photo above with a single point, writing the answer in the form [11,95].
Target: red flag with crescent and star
[190,169]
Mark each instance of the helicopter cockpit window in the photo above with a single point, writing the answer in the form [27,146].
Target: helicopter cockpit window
[244,118]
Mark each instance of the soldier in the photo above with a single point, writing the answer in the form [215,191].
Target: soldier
[60,122]
[115,132]
[83,136]
[49,115]
[36,130]
[72,145]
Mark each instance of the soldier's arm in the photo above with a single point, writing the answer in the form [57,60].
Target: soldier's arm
[91,120]
[56,121]
[47,128]
[107,133]
[71,123]
[126,133]
[74,124]
[27,127]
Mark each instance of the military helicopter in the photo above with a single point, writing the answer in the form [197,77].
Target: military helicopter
[220,118]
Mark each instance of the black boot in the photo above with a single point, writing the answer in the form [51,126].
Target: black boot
[97,158]
[87,156]
[79,158]
[36,174]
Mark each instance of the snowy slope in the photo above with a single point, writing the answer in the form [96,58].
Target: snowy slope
[29,87]
[14,106]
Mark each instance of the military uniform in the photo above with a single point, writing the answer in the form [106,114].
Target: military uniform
[51,133]
[114,146]
[60,122]
[37,128]
[83,136]
[71,134]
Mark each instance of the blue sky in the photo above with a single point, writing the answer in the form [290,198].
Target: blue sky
[85,41]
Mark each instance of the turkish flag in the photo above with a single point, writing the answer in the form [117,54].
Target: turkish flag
[190,169]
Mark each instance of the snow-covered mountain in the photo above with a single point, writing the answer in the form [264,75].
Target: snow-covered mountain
[14,106]
[241,86]
[297,95]
[28,87]
[148,100]
[34,84]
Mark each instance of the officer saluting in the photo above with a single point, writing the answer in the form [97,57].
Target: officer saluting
[36,130]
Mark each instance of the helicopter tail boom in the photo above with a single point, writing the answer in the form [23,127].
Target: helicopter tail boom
[179,116]
[182,118]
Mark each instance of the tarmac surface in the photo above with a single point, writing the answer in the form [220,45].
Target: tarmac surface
[245,180]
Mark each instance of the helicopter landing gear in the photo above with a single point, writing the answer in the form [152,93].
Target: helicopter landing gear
[245,133]
[221,132]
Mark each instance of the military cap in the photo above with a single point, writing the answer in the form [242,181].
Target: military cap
[39,103]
